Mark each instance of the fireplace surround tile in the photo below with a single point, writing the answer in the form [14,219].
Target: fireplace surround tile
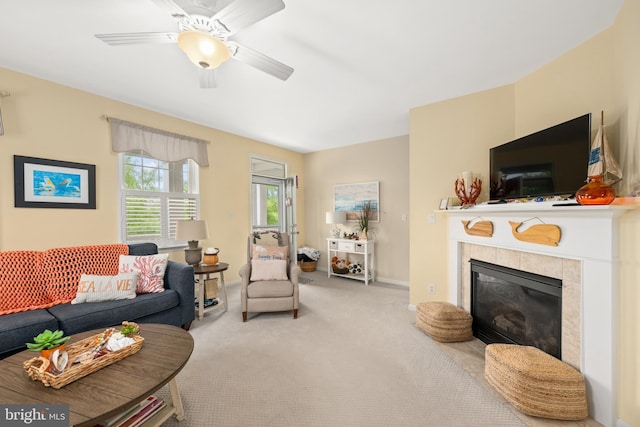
[559,268]
[571,321]
[571,270]
[508,258]
[541,264]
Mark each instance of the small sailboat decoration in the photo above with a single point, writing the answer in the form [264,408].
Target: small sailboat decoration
[603,172]
[479,228]
[542,234]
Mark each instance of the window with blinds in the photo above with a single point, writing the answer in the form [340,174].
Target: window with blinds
[154,195]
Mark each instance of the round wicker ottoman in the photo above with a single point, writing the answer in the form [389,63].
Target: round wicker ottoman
[443,321]
[535,382]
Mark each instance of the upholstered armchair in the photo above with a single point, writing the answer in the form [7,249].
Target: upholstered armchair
[270,277]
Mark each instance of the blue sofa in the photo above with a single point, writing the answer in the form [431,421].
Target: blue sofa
[174,306]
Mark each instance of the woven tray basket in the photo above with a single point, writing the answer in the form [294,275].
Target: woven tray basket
[37,367]
[340,270]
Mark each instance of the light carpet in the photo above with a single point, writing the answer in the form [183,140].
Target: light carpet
[352,358]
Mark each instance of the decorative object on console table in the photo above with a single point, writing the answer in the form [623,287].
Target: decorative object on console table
[364,216]
[192,230]
[467,189]
[604,171]
[336,218]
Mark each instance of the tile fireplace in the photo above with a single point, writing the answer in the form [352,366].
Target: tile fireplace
[585,261]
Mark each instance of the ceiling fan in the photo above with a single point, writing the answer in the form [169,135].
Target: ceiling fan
[205,40]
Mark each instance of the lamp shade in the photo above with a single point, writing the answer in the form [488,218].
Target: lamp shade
[193,229]
[204,50]
[336,217]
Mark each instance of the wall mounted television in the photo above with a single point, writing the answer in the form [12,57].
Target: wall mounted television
[549,162]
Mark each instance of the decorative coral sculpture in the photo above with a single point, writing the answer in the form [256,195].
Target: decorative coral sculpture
[474,191]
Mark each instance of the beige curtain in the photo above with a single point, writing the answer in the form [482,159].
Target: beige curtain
[161,145]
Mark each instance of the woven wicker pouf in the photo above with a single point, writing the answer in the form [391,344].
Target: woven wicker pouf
[443,321]
[535,382]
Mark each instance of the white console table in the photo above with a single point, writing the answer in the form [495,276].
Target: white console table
[366,248]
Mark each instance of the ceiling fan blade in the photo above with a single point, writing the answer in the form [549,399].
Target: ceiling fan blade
[207,78]
[242,13]
[172,9]
[260,61]
[120,39]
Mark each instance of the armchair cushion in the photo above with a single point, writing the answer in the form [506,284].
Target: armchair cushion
[268,269]
[270,289]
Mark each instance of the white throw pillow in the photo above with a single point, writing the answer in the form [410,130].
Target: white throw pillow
[151,270]
[268,269]
[106,288]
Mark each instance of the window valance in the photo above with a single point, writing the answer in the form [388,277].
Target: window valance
[162,145]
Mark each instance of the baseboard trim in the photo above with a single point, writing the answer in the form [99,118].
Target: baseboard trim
[379,279]
[621,423]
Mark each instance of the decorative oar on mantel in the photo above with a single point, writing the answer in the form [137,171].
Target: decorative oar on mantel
[478,228]
[542,234]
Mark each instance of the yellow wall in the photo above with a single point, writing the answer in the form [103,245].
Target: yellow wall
[50,121]
[601,74]
[446,139]
[385,161]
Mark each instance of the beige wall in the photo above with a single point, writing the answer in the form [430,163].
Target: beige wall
[447,138]
[51,121]
[601,74]
[385,161]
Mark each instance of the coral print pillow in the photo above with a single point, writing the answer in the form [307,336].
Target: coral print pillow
[151,270]
[105,288]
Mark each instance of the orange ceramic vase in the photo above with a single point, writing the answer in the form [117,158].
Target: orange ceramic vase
[595,192]
[46,353]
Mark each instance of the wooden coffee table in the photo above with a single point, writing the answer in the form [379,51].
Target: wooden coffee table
[113,389]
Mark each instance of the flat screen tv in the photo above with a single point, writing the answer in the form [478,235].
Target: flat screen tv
[549,162]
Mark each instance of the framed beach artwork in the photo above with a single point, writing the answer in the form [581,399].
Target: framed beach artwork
[42,183]
[349,198]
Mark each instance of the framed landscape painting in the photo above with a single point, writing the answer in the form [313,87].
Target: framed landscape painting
[42,183]
[349,198]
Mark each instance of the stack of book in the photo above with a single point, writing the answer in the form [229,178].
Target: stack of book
[136,415]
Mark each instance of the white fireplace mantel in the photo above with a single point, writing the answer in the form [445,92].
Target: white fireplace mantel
[589,234]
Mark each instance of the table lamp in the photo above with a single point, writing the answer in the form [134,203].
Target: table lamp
[336,218]
[192,230]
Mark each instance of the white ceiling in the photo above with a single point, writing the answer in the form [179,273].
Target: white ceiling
[360,65]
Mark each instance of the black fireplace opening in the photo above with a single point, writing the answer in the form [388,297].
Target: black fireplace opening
[516,307]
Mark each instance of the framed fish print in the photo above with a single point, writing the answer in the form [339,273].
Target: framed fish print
[43,183]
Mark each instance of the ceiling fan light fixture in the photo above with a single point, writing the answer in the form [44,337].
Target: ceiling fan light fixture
[204,50]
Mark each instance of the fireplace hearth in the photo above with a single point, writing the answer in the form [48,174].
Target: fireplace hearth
[516,307]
